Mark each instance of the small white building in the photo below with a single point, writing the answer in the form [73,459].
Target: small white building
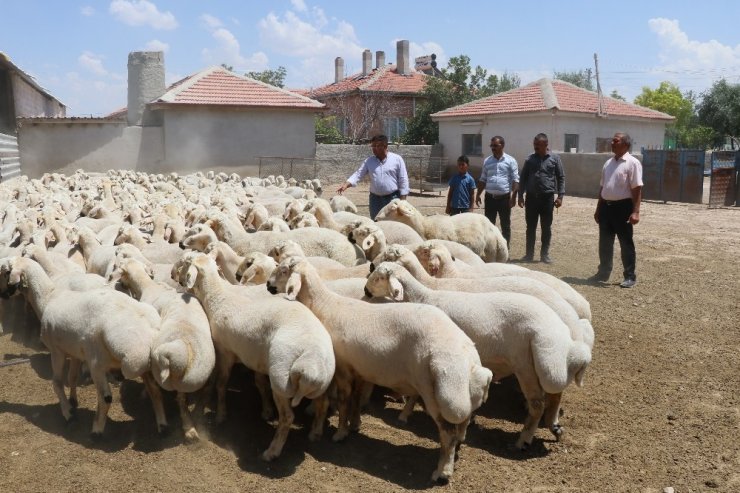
[574,119]
[211,120]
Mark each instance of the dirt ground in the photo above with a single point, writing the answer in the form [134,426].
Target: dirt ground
[660,406]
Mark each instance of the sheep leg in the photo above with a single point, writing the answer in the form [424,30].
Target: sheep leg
[448,443]
[156,396]
[262,382]
[552,413]
[536,407]
[408,408]
[224,361]
[191,434]
[72,375]
[204,395]
[285,420]
[105,398]
[359,393]
[320,407]
[344,393]
[57,383]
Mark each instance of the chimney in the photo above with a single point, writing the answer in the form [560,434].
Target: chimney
[379,59]
[338,69]
[402,57]
[145,84]
[367,62]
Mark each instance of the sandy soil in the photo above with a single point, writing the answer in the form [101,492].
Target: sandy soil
[660,408]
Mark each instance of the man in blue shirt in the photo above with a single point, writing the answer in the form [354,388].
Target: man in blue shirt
[388,176]
[500,179]
[542,179]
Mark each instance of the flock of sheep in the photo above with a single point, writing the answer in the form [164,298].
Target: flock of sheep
[174,279]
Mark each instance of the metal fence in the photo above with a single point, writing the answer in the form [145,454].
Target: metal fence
[426,174]
[673,175]
[725,179]
[10,160]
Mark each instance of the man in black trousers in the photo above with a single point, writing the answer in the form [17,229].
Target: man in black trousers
[618,210]
[542,180]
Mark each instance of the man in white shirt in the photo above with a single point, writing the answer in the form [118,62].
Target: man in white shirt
[388,176]
[618,210]
[500,180]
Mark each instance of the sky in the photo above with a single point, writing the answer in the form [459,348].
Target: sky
[78,50]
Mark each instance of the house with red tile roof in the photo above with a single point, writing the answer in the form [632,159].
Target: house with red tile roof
[575,120]
[375,100]
[211,120]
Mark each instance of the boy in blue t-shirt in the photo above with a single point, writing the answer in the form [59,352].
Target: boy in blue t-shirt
[462,186]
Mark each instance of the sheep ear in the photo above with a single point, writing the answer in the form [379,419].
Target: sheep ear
[396,288]
[403,210]
[190,277]
[15,278]
[368,243]
[293,286]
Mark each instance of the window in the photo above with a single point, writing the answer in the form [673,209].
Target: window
[394,127]
[472,144]
[603,144]
[571,142]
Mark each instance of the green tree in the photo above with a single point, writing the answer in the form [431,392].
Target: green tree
[616,95]
[686,131]
[230,68]
[459,84]
[720,110]
[273,77]
[327,132]
[580,78]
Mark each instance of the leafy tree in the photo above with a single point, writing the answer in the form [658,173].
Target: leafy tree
[580,78]
[273,77]
[327,132]
[686,130]
[459,84]
[230,68]
[616,95]
[720,110]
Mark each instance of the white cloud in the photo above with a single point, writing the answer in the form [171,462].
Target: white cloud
[142,13]
[686,57]
[228,51]
[210,21]
[87,11]
[89,97]
[299,5]
[93,63]
[157,45]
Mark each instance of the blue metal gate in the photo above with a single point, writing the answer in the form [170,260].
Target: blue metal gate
[673,175]
[723,188]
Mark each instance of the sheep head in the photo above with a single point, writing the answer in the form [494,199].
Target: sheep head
[287,277]
[383,282]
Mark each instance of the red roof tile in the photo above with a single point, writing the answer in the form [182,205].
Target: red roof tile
[218,86]
[546,94]
[384,79]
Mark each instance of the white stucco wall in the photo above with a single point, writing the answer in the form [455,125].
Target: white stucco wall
[518,131]
[192,139]
[231,141]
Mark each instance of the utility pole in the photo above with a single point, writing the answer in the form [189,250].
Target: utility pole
[600,110]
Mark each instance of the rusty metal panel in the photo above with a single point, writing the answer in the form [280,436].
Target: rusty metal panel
[671,176]
[692,178]
[722,188]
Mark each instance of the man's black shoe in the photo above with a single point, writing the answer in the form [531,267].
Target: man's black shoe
[545,259]
[527,258]
[628,283]
[599,278]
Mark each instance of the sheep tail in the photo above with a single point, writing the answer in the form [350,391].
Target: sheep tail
[309,377]
[579,358]
[452,373]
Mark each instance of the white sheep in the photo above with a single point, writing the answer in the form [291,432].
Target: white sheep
[342,203]
[271,336]
[472,230]
[103,328]
[515,334]
[438,262]
[182,353]
[413,349]
[328,269]
[274,224]
[515,284]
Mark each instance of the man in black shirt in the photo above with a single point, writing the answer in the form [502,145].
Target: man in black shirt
[541,179]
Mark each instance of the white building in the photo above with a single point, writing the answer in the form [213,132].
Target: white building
[212,120]
[569,115]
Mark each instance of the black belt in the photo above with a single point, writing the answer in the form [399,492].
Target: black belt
[499,196]
[615,202]
[384,196]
